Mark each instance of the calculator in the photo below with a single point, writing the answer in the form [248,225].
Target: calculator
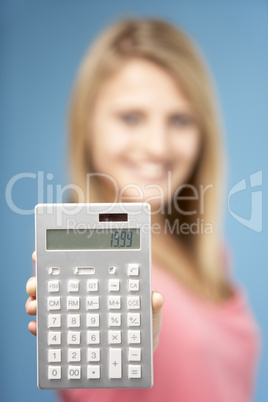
[94,310]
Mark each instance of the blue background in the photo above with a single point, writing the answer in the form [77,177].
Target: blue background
[42,43]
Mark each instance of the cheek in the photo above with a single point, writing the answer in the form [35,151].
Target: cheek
[187,148]
[109,145]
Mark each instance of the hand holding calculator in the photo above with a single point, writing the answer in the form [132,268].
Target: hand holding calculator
[94,318]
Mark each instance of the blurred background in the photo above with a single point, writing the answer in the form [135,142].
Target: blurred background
[42,43]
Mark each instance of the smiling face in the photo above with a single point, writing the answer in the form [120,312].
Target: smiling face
[143,133]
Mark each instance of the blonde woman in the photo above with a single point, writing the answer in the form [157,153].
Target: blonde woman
[144,127]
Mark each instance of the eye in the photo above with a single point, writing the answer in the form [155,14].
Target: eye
[181,120]
[130,118]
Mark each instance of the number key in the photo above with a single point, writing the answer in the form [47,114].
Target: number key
[54,355]
[73,338]
[54,338]
[74,355]
[93,355]
[73,320]
[54,320]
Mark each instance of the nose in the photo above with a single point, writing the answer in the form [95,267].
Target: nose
[156,141]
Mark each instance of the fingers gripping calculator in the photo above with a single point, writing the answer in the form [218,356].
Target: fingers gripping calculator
[94,312]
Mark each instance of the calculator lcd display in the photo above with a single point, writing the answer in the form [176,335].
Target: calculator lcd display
[92,239]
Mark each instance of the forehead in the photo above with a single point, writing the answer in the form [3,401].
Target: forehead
[143,83]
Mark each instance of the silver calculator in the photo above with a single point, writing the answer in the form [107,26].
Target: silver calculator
[94,312]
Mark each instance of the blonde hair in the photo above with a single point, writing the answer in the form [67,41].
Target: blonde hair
[161,43]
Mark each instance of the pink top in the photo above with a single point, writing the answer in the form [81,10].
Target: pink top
[206,353]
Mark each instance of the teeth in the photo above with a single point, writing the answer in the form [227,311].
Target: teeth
[150,169]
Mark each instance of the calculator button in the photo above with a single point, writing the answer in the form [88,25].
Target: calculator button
[133,269]
[112,270]
[133,303]
[133,319]
[73,338]
[134,336]
[53,303]
[53,270]
[93,372]
[93,337]
[54,355]
[54,320]
[115,363]
[114,319]
[114,302]
[133,285]
[73,285]
[92,285]
[93,355]
[114,285]
[74,355]
[74,372]
[134,371]
[134,354]
[93,303]
[73,320]
[84,270]
[53,286]
[54,338]
[73,303]
[114,337]
[93,320]
[54,372]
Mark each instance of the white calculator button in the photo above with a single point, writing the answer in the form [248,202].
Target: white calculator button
[134,354]
[133,303]
[53,303]
[114,319]
[73,303]
[114,337]
[93,355]
[54,355]
[92,285]
[74,355]
[73,285]
[134,336]
[53,270]
[93,337]
[115,363]
[133,319]
[54,338]
[133,285]
[73,338]
[54,320]
[84,270]
[53,286]
[114,285]
[54,372]
[93,303]
[112,270]
[93,320]
[134,371]
[74,372]
[114,302]
[73,320]
[93,372]
[133,269]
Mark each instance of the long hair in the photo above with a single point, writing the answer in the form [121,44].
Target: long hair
[168,47]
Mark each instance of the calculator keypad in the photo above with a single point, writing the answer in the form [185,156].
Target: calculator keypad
[95,327]
[84,351]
